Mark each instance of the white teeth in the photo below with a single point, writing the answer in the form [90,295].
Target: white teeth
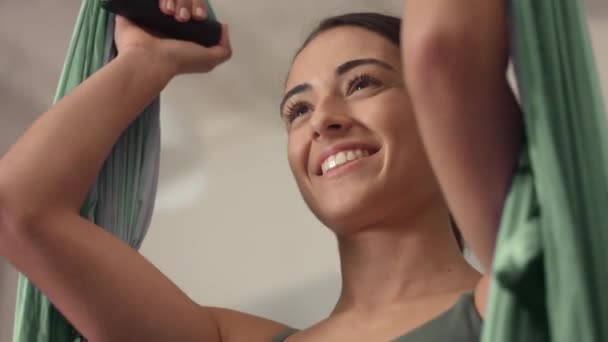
[343,157]
[332,162]
[351,155]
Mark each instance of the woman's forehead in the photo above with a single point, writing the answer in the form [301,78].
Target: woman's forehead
[321,57]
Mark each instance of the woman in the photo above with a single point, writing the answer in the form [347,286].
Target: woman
[362,113]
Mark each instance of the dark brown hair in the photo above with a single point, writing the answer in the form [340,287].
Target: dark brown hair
[388,27]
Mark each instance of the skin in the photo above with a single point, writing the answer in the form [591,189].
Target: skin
[398,254]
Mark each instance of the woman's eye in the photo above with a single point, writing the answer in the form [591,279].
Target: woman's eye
[362,82]
[296,110]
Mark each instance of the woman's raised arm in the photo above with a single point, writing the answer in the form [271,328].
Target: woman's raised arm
[106,289]
[456,54]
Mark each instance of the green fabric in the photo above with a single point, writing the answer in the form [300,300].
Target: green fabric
[549,269]
[122,198]
[461,323]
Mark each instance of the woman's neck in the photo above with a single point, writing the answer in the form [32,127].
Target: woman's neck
[400,261]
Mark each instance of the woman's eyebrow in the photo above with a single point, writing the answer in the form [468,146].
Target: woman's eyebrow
[340,70]
[348,66]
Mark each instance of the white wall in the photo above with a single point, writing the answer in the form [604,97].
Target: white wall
[8,282]
[228,237]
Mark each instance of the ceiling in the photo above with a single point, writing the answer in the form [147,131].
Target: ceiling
[596,7]
[33,53]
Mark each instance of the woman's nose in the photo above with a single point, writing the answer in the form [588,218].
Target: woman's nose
[331,118]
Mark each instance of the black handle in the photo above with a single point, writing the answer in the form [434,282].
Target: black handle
[147,14]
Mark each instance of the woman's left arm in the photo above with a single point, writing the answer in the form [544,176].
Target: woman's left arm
[455,55]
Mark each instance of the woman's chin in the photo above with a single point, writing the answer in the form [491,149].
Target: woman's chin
[348,216]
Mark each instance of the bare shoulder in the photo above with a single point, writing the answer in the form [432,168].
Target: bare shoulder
[482,290]
[236,326]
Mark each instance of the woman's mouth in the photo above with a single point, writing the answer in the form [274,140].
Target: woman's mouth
[342,158]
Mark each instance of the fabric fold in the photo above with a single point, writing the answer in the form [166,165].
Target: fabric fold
[549,269]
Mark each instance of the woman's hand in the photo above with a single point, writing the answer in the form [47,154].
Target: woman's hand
[179,57]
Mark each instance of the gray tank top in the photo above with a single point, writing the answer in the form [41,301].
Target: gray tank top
[460,323]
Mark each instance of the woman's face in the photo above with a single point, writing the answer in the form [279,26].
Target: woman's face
[353,145]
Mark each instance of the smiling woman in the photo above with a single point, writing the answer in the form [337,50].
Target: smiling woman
[361,83]
[363,131]
[360,164]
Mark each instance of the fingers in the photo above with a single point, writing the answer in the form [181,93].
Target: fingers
[223,51]
[199,10]
[197,58]
[183,10]
[167,6]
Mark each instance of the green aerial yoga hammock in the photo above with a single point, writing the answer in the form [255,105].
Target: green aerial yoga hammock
[122,198]
[550,272]
[549,264]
